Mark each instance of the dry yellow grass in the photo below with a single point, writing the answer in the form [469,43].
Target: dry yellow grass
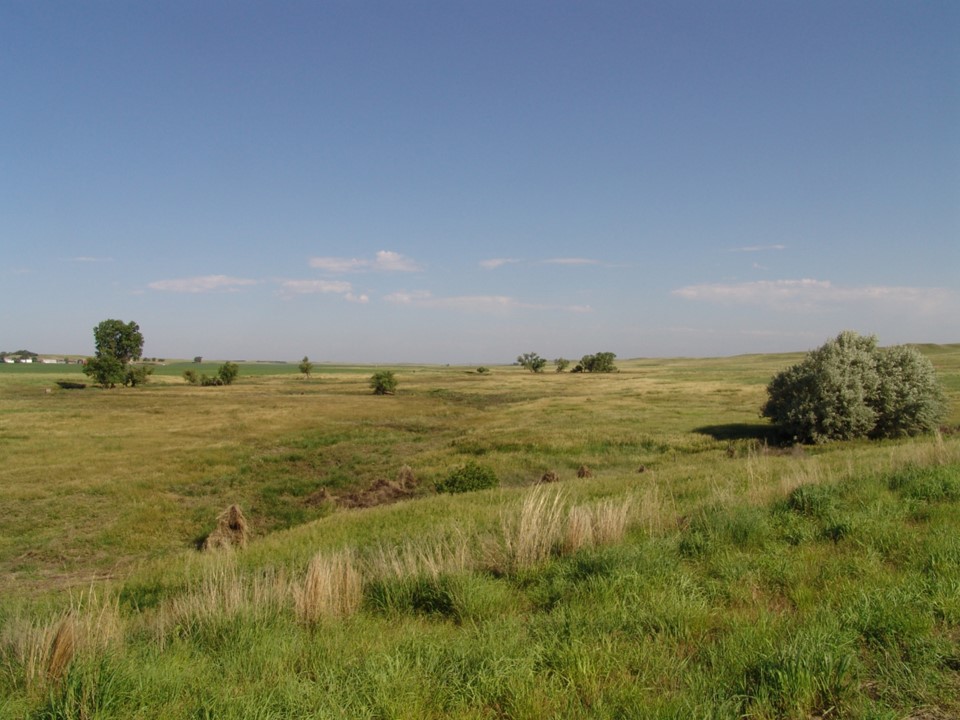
[44,649]
[332,588]
[530,534]
[427,557]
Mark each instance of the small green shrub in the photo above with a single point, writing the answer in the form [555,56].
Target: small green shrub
[227,373]
[467,478]
[138,375]
[383,382]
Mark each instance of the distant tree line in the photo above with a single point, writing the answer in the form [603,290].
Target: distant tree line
[18,354]
[601,362]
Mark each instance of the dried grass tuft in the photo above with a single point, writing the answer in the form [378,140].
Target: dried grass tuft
[610,519]
[332,588]
[601,524]
[579,532]
[63,648]
[652,513]
[232,530]
[421,558]
[584,472]
[41,652]
[530,536]
[406,478]
[549,477]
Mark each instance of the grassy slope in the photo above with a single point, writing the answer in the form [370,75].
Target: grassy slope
[724,599]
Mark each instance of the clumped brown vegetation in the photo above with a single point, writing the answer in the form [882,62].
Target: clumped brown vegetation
[382,491]
[232,530]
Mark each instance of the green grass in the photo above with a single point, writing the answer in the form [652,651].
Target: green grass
[746,581]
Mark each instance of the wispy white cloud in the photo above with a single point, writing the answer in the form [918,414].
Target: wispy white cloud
[571,261]
[383,261]
[494,263]
[756,248]
[289,288]
[403,297]
[203,284]
[388,261]
[474,303]
[809,293]
[338,265]
[311,287]
[89,259]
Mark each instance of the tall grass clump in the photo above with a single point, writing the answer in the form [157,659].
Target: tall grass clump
[223,598]
[430,557]
[38,654]
[332,588]
[530,535]
[604,523]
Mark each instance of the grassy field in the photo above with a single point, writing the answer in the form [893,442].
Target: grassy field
[697,572]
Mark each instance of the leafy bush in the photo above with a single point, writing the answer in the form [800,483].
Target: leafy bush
[601,362]
[226,374]
[532,362]
[305,366]
[383,382]
[138,375]
[467,478]
[909,400]
[849,388]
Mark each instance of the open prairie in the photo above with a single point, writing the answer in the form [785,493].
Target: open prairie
[692,569]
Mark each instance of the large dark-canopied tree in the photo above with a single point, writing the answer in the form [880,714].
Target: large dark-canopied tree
[117,345]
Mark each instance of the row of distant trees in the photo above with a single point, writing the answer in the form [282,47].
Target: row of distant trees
[18,355]
[601,362]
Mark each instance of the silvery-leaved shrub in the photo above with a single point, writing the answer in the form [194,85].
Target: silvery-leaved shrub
[850,388]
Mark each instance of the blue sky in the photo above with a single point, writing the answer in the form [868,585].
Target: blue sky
[465,181]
